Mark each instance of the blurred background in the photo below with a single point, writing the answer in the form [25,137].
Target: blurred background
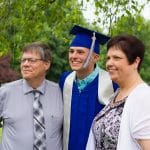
[25,21]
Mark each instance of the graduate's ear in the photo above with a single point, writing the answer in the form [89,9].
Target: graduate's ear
[95,57]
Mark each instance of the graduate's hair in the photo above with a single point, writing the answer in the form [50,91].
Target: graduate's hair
[130,45]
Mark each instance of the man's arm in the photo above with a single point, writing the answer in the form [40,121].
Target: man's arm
[1,122]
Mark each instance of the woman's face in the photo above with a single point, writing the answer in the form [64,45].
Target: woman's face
[118,65]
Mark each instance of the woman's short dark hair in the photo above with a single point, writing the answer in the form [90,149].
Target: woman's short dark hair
[41,48]
[131,46]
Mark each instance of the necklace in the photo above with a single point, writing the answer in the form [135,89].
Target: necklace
[124,92]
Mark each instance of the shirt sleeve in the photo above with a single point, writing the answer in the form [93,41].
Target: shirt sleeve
[1,101]
[1,105]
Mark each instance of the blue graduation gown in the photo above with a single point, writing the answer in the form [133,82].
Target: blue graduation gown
[84,107]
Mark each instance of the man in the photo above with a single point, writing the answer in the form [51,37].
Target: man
[85,90]
[31,108]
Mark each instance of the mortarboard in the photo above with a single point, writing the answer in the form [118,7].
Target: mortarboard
[83,38]
[88,38]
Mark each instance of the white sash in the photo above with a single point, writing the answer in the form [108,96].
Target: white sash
[67,95]
[105,90]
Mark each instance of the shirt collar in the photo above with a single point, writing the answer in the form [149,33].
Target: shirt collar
[84,82]
[27,88]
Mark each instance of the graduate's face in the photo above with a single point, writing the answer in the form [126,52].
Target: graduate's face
[118,65]
[77,58]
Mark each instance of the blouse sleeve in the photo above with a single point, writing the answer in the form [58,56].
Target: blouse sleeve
[140,116]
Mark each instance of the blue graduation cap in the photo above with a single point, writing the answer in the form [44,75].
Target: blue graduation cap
[88,39]
[85,36]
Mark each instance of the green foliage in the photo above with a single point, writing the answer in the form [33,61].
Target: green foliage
[0,134]
[140,28]
[37,20]
[26,21]
[109,11]
[123,17]
[135,25]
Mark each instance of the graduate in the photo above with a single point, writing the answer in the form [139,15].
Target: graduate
[86,89]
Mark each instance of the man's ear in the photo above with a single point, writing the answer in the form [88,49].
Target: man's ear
[47,65]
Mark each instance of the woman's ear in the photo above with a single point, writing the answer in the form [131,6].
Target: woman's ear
[136,63]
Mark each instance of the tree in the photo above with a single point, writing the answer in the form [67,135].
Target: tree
[7,74]
[27,21]
[135,25]
[118,17]
[109,11]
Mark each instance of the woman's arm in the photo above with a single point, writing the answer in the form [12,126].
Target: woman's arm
[144,143]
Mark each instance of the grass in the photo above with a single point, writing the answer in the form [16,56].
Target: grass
[0,133]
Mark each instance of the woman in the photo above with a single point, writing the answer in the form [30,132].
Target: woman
[128,113]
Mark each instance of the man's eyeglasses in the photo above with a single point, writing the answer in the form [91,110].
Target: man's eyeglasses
[30,60]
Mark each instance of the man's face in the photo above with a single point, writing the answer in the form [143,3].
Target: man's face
[33,68]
